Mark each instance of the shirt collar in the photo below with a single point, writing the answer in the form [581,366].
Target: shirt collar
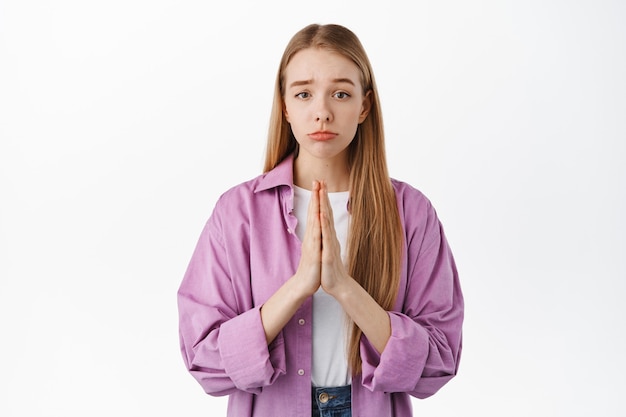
[282,174]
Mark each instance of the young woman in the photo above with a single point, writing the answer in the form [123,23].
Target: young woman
[322,287]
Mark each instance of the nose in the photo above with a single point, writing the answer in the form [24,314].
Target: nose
[323,112]
[322,117]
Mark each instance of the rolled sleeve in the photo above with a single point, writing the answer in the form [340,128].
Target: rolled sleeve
[397,369]
[247,359]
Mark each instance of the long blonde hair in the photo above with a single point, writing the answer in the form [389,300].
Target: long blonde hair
[375,236]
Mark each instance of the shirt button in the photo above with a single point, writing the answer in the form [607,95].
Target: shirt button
[300,372]
[290,231]
[301,322]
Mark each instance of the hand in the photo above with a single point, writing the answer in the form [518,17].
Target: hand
[309,268]
[321,264]
[333,272]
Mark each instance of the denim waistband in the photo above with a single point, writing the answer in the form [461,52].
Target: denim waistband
[331,398]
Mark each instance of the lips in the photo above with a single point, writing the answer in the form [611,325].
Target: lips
[323,135]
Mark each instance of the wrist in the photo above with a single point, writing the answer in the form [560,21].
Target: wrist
[300,289]
[343,289]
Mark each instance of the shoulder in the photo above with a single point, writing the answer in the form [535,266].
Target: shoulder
[239,195]
[417,212]
[261,187]
[235,207]
[409,197]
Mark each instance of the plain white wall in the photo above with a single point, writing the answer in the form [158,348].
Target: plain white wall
[121,122]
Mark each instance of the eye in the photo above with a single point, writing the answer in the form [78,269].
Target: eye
[303,95]
[341,95]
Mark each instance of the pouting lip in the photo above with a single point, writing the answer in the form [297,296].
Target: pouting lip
[322,135]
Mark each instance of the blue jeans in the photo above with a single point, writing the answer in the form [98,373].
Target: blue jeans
[332,402]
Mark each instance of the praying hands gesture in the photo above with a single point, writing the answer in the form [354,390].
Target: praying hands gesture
[321,262]
[321,265]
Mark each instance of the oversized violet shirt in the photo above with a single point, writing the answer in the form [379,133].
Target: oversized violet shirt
[248,249]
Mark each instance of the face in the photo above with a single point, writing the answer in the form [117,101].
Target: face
[324,102]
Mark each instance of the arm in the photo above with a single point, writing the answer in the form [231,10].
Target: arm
[358,304]
[283,304]
[424,349]
[221,335]
[229,343]
[417,349]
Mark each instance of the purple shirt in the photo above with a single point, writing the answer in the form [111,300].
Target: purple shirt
[249,248]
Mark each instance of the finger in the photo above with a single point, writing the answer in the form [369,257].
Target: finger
[314,203]
[329,236]
[325,208]
[313,227]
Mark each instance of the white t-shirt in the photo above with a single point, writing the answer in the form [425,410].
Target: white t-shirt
[330,365]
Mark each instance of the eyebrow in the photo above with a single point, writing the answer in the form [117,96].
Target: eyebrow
[307,82]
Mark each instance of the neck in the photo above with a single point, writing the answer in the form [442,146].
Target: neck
[334,171]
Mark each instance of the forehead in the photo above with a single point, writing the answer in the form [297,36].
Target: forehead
[318,64]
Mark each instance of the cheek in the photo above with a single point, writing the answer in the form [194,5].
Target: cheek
[354,115]
[290,113]
[293,114]
[286,111]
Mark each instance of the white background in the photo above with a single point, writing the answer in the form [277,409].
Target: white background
[121,122]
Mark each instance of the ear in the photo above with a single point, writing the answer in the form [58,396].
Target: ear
[366,107]
[285,113]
